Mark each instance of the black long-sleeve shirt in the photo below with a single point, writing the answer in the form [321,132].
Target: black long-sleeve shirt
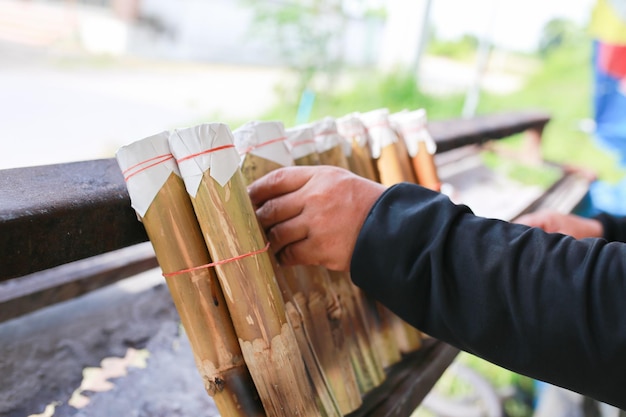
[543,305]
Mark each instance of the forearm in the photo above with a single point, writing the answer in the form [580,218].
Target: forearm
[614,228]
[541,304]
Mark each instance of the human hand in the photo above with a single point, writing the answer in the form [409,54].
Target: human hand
[313,214]
[567,224]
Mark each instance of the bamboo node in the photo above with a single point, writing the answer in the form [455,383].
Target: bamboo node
[215,385]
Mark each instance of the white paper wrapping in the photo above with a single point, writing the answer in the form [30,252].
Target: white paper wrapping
[146,164]
[412,125]
[327,136]
[350,126]
[201,147]
[301,141]
[264,139]
[380,130]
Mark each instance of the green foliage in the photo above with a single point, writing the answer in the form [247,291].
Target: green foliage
[543,176]
[306,34]
[559,33]
[559,84]
[562,87]
[463,49]
[370,90]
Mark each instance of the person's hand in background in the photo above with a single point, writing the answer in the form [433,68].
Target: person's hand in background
[567,224]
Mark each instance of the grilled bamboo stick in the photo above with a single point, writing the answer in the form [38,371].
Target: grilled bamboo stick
[412,128]
[210,167]
[392,158]
[392,161]
[354,131]
[315,289]
[332,150]
[263,149]
[160,199]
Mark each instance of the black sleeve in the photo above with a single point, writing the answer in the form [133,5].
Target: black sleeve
[614,227]
[544,305]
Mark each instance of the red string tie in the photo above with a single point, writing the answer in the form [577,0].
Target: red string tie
[413,129]
[303,142]
[193,155]
[353,133]
[217,263]
[326,133]
[379,124]
[159,159]
[260,145]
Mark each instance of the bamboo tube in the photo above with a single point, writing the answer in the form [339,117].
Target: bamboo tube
[301,141]
[392,161]
[332,150]
[383,338]
[314,289]
[354,131]
[263,149]
[210,167]
[412,128]
[160,199]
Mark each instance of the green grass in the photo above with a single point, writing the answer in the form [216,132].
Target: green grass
[370,90]
[563,87]
[543,176]
[560,84]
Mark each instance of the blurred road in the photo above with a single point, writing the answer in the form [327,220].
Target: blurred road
[56,110]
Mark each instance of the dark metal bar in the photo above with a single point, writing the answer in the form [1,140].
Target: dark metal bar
[52,215]
[455,133]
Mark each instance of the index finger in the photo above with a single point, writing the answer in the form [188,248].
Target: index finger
[279,182]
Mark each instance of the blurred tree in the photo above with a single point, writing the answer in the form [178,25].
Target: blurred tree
[559,33]
[309,37]
[463,48]
[307,34]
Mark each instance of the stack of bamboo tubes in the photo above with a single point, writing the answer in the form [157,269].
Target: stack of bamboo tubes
[270,340]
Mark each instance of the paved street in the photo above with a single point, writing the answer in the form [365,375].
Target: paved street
[54,112]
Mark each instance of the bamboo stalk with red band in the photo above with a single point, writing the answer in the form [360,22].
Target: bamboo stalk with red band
[175,234]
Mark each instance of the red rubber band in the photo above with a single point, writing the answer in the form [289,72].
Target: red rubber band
[159,159]
[353,133]
[216,263]
[326,132]
[412,129]
[269,142]
[193,155]
[380,124]
[302,142]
